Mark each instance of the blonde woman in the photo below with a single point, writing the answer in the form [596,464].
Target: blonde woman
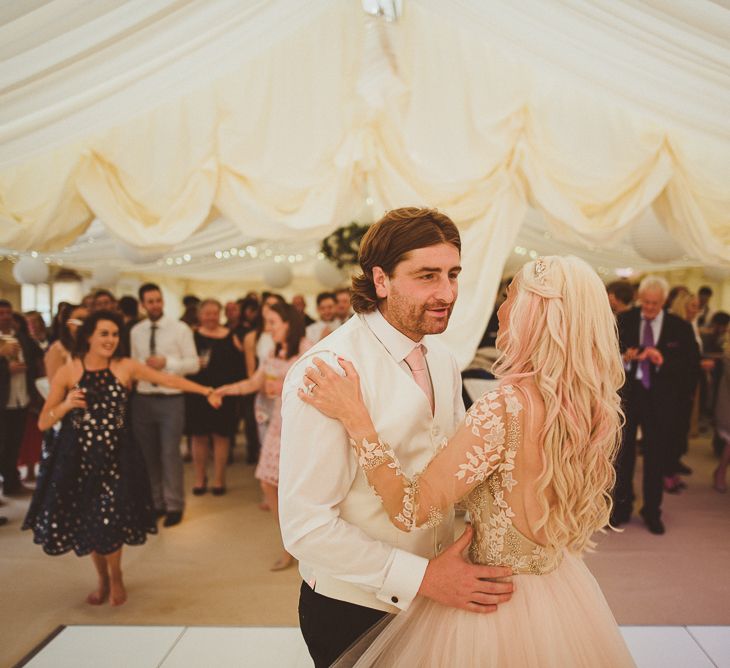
[533,463]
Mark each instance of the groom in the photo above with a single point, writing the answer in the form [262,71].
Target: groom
[356,565]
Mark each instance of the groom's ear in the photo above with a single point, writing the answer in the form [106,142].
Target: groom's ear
[381,282]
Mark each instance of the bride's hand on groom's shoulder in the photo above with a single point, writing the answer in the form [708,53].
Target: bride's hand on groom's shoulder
[337,396]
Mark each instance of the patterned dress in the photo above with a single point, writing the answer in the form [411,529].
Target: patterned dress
[557,616]
[93,492]
[268,412]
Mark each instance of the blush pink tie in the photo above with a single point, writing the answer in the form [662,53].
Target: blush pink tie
[416,361]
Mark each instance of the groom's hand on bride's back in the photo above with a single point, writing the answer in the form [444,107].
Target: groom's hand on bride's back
[457,583]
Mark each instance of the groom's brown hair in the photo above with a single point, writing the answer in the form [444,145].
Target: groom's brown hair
[389,241]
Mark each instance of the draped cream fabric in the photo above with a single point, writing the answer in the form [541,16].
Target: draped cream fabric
[155,116]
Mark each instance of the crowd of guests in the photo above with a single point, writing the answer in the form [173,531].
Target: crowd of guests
[675,351]
[204,376]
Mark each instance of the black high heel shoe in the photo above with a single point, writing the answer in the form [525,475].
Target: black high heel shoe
[199,491]
[218,491]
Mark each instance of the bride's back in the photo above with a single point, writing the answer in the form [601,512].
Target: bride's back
[529,466]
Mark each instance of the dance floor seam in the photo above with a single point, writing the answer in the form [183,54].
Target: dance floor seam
[87,646]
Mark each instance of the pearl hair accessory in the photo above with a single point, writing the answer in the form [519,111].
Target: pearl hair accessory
[540,269]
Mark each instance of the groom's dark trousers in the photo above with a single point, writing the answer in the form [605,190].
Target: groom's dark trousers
[330,626]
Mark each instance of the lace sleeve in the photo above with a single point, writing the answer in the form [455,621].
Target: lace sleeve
[477,450]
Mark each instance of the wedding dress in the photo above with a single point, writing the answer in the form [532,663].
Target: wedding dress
[557,617]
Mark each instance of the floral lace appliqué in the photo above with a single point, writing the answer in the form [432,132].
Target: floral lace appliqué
[497,541]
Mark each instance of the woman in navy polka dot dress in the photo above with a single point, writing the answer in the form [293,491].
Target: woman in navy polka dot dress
[93,492]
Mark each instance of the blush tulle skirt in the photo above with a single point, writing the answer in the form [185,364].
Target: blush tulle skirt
[559,620]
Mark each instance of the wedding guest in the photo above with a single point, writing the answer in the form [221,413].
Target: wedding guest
[37,329]
[61,314]
[129,310]
[232,312]
[60,350]
[343,304]
[104,300]
[8,350]
[191,304]
[93,494]
[220,363]
[286,326]
[30,446]
[673,293]
[685,306]
[620,296]
[722,419]
[257,344]
[264,347]
[249,308]
[88,302]
[327,322]
[713,346]
[300,304]
[659,352]
[705,315]
[162,343]
[18,372]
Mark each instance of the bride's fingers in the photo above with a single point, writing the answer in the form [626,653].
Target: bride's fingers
[348,367]
[325,369]
[305,397]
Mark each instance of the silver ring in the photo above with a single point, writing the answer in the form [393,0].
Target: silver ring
[310,389]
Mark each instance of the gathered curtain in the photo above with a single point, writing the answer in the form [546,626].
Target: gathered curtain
[589,112]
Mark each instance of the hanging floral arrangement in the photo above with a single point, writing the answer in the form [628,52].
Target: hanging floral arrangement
[343,245]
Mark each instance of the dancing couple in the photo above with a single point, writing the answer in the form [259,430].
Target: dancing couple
[376,450]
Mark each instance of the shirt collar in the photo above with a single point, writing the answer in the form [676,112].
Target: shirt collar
[160,323]
[656,321]
[396,343]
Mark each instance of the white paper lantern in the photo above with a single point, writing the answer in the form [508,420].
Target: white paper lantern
[139,255]
[30,270]
[329,274]
[719,274]
[277,275]
[652,241]
[105,276]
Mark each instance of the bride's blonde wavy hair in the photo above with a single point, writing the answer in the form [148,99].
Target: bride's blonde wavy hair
[561,333]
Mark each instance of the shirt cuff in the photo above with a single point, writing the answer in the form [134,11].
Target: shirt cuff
[403,580]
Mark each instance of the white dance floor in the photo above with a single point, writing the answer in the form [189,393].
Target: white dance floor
[279,647]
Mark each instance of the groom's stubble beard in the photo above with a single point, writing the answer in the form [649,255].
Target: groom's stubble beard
[412,318]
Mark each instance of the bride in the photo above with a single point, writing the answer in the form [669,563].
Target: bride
[532,462]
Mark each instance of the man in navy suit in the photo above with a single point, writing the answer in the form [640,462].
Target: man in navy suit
[660,354]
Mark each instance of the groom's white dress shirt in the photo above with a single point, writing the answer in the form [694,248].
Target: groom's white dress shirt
[330,519]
